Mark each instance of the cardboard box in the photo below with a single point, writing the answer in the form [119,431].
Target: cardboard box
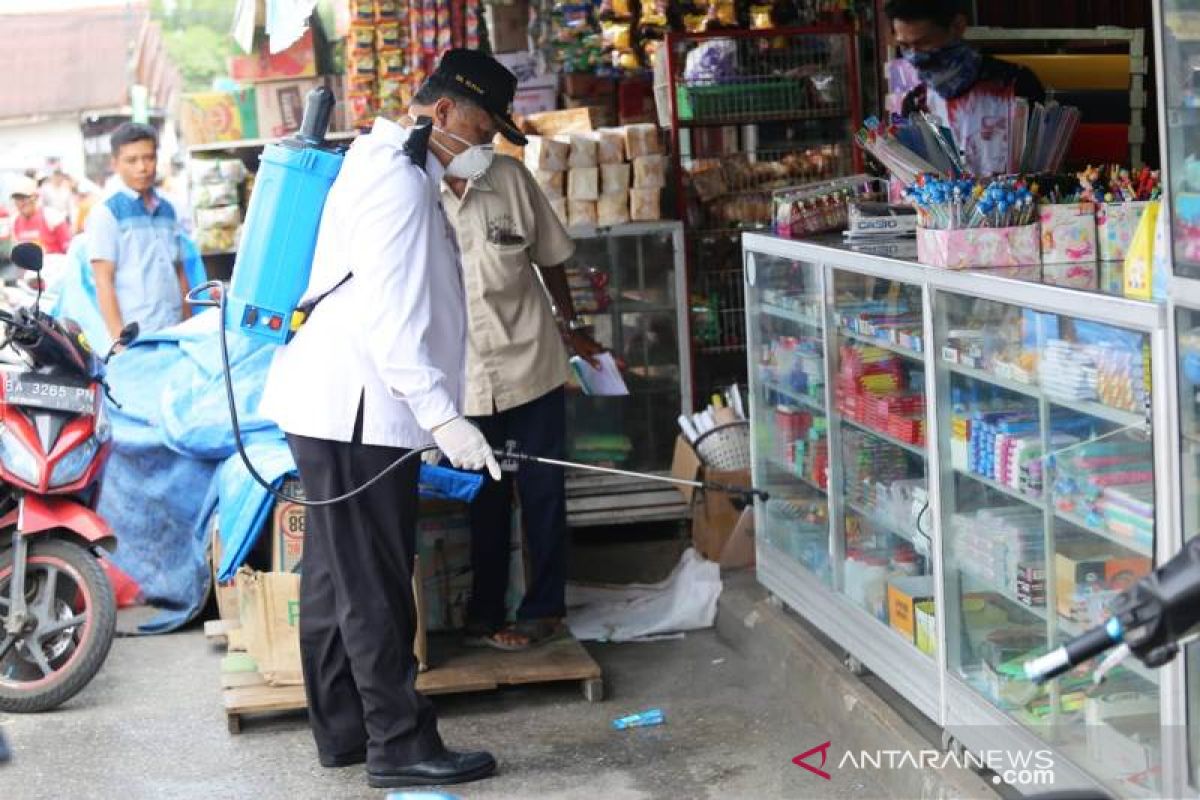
[904,594]
[298,61]
[926,628]
[715,514]
[280,105]
[287,530]
[571,120]
[536,96]
[1068,232]
[226,593]
[218,116]
[1077,565]
[967,248]
[269,610]
[508,26]
[1115,225]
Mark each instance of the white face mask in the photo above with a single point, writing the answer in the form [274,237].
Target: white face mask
[470,163]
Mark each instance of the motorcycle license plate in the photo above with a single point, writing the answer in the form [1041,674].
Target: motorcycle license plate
[40,392]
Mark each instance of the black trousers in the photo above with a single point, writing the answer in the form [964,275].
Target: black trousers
[357,615]
[540,428]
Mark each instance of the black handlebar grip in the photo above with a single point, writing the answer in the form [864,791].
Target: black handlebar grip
[318,110]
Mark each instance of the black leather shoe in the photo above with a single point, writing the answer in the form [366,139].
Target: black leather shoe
[342,760]
[448,768]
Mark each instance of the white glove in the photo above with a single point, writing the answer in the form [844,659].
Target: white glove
[432,457]
[466,446]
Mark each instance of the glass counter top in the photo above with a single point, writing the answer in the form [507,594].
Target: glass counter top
[1095,277]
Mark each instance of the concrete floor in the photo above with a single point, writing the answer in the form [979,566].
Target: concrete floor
[739,707]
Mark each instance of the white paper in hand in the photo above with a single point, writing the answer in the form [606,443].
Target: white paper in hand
[603,381]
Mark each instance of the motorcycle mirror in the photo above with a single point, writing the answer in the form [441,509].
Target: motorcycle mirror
[27,256]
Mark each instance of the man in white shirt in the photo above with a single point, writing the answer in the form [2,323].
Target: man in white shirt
[376,371]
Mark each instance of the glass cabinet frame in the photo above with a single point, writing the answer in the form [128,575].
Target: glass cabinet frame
[965,716]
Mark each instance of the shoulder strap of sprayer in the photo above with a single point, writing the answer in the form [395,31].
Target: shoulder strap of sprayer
[416,147]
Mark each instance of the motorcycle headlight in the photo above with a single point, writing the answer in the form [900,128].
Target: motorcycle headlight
[71,467]
[16,457]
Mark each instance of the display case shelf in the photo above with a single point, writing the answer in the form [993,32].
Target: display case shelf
[1118,416]
[916,450]
[872,516]
[793,316]
[1082,524]
[894,348]
[796,397]
[790,470]
[1036,502]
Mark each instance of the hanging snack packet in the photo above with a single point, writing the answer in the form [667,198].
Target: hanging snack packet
[362,11]
[388,35]
[387,10]
[391,63]
[362,38]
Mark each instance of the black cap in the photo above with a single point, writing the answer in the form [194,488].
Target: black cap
[486,81]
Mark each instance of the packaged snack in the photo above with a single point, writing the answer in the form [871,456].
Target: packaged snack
[362,38]
[617,35]
[543,153]
[583,183]
[213,195]
[644,205]
[362,108]
[693,23]
[362,10]
[760,18]
[360,63]
[391,63]
[610,146]
[614,178]
[386,10]
[642,140]
[650,172]
[387,35]
[217,240]
[552,184]
[613,209]
[581,212]
[220,217]
[583,150]
[203,170]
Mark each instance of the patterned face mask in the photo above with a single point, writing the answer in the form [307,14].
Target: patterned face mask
[950,71]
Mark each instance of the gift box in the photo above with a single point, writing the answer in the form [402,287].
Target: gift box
[966,248]
[1068,232]
[1115,225]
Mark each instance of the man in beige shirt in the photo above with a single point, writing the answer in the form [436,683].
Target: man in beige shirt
[516,367]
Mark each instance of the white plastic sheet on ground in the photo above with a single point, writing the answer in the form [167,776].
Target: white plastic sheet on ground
[685,601]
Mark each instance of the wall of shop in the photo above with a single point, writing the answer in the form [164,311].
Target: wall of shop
[25,145]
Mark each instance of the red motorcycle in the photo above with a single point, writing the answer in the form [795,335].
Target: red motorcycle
[58,612]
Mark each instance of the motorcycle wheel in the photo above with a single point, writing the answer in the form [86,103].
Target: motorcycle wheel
[75,613]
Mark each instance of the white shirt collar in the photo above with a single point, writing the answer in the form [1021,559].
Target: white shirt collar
[396,135]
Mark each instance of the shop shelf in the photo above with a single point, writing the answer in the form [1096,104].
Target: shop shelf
[1119,416]
[912,448]
[802,399]
[1036,502]
[895,348]
[1037,611]
[783,466]
[789,314]
[1080,522]
[873,516]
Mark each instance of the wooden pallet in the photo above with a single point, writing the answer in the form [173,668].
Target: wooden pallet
[458,670]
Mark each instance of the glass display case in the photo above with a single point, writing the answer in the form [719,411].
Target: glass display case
[1048,512]
[995,476]
[1187,347]
[1179,78]
[786,332]
[881,549]
[627,282]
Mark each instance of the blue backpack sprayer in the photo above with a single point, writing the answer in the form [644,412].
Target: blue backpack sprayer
[274,263]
